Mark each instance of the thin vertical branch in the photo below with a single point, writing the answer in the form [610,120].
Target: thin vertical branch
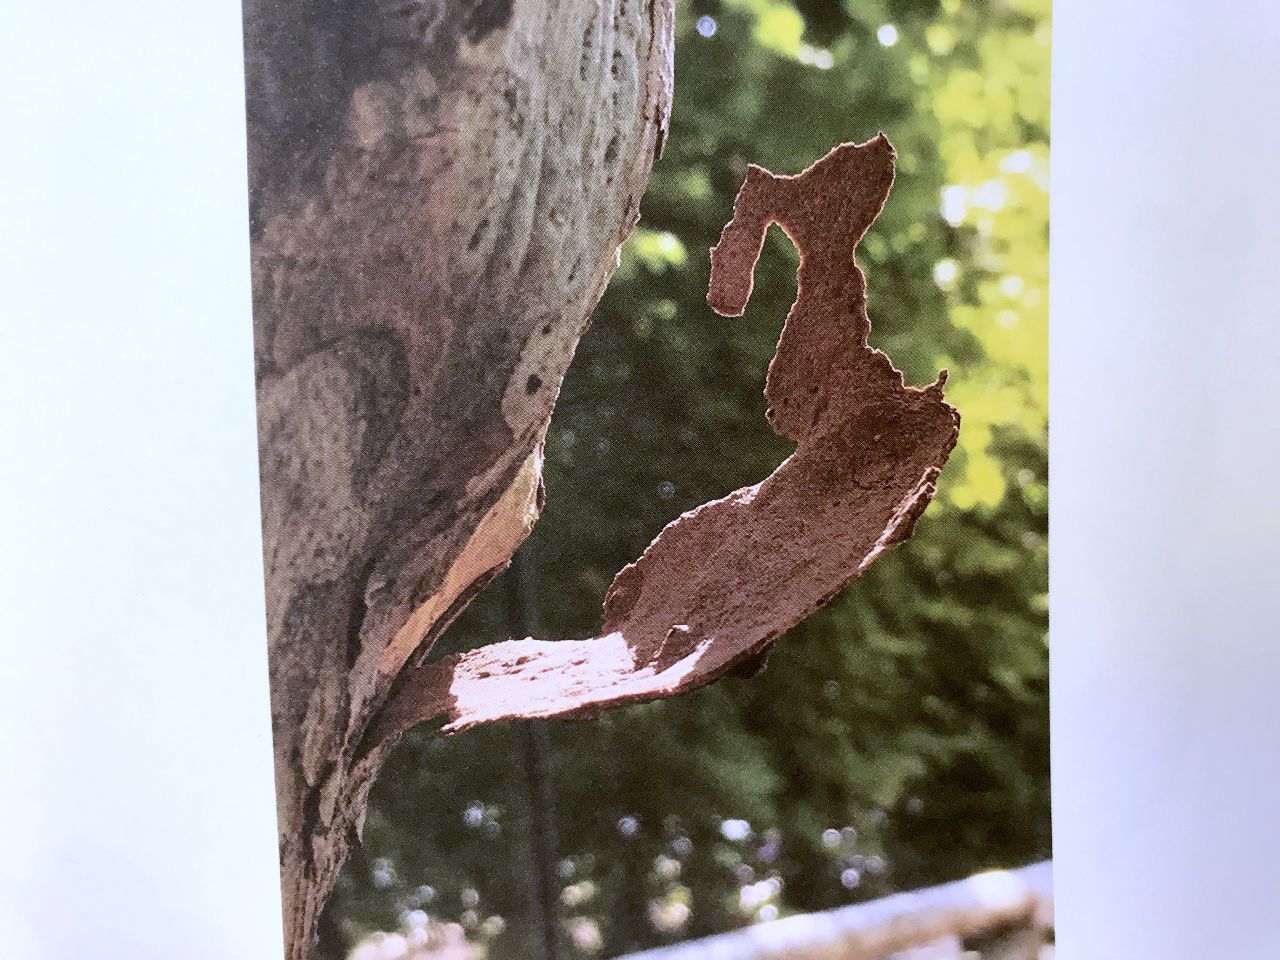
[543,839]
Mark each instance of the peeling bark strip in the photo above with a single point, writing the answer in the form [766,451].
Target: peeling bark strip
[721,582]
[437,191]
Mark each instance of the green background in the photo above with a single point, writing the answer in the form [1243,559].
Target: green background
[899,737]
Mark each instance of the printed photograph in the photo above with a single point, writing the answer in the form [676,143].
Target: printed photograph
[653,432]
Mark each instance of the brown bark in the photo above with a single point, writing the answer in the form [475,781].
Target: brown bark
[720,583]
[438,189]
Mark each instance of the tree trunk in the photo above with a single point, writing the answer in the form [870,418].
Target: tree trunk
[438,190]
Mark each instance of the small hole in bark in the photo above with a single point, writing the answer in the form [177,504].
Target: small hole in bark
[611,151]
[475,237]
[534,383]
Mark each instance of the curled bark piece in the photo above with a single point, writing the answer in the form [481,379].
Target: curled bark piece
[721,582]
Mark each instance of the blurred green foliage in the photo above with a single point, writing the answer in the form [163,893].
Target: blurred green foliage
[899,737]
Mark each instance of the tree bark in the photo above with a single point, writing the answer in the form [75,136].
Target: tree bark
[438,189]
